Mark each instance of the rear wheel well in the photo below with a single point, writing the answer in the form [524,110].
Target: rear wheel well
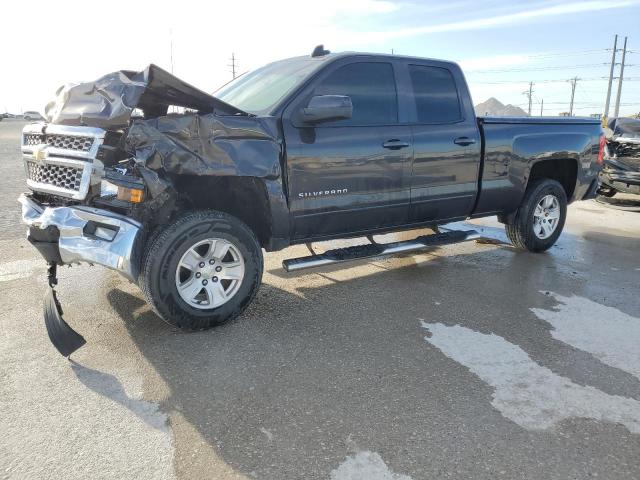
[242,197]
[564,171]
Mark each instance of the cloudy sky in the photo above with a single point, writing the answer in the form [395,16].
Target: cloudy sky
[501,45]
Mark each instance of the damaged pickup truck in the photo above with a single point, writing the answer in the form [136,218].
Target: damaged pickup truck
[621,172]
[305,149]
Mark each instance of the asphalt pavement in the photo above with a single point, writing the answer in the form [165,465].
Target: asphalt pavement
[466,361]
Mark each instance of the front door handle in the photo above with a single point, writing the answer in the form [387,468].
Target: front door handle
[464,141]
[395,144]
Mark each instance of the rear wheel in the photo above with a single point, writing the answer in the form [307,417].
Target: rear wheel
[202,270]
[540,218]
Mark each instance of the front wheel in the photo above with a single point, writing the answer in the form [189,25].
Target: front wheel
[201,271]
[540,218]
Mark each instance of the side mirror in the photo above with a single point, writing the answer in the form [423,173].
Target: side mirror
[323,108]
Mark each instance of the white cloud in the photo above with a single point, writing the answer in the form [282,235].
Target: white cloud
[495,61]
[73,41]
[499,20]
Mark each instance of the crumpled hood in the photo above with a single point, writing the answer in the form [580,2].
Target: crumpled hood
[623,129]
[109,101]
[207,145]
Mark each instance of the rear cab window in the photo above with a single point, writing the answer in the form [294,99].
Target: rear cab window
[435,94]
[372,88]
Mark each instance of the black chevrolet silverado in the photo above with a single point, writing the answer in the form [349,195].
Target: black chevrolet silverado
[180,191]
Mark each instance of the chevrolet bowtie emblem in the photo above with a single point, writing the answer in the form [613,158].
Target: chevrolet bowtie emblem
[39,154]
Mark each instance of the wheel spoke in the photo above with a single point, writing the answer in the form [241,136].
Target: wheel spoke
[211,245]
[232,271]
[548,201]
[191,288]
[190,260]
[554,213]
[539,211]
[220,249]
[215,294]
[211,282]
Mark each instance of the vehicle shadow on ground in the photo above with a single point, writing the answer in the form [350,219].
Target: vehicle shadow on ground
[300,381]
[109,386]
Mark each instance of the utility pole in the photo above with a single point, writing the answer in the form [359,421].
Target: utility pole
[573,81]
[233,65]
[613,65]
[529,94]
[541,106]
[624,54]
[171,49]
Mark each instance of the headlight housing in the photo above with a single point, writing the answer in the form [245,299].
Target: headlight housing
[124,187]
[133,195]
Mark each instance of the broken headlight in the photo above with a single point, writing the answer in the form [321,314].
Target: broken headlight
[124,186]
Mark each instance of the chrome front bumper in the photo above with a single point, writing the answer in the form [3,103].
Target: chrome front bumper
[89,235]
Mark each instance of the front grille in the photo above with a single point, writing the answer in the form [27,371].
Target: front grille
[60,176]
[33,139]
[67,142]
[59,158]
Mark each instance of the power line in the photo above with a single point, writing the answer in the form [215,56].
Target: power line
[569,53]
[557,80]
[532,69]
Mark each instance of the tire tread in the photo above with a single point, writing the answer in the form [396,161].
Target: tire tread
[160,240]
[519,231]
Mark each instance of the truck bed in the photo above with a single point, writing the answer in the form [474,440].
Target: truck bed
[511,145]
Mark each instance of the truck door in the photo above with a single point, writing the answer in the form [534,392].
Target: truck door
[349,175]
[446,142]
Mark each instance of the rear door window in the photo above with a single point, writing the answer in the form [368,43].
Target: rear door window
[372,88]
[435,94]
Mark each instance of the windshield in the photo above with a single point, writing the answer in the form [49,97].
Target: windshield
[259,91]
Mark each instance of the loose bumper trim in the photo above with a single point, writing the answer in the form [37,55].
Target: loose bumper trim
[624,181]
[86,234]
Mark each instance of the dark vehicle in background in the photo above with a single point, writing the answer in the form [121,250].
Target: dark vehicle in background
[302,150]
[621,172]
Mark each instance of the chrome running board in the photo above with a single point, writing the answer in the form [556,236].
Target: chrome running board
[358,252]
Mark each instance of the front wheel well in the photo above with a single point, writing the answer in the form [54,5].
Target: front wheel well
[242,197]
[564,171]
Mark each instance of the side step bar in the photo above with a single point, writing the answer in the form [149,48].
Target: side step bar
[358,252]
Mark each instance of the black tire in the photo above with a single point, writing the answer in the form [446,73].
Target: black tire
[164,251]
[520,231]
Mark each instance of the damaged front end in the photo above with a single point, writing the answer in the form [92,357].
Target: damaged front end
[621,171]
[102,170]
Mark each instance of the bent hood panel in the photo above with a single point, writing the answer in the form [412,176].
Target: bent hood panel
[109,101]
[207,145]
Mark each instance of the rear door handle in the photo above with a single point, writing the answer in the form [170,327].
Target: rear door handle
[395,144]
[464,141]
